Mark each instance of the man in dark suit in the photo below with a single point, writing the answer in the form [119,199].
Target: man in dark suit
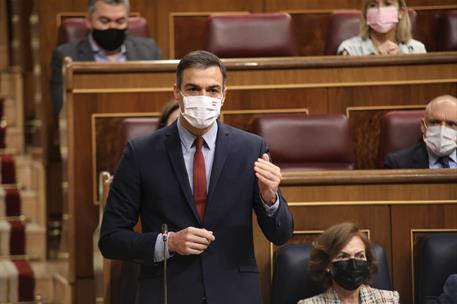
[439,131]
[108,41]
[203,179]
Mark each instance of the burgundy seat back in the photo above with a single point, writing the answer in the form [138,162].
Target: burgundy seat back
[447,32]
[307,142]
[344,24]
[137,126]
[72,29]
[251,35]
[399,130]
[134,127]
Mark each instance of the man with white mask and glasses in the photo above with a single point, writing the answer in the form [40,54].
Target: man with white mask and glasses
[203,179]
[439,132]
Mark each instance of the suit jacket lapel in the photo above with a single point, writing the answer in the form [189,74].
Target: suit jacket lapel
[85,52]
[420,158]
[131,50]
[223,147]
[173,145]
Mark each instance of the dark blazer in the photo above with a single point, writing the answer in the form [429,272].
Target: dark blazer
[415,157]
[151,183]
[138,48]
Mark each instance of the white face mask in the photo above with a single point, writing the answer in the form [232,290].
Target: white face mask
[201,111]
[441,140]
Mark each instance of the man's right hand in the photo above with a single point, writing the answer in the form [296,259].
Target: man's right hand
[190,241]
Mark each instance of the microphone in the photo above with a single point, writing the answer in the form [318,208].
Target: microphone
[165,236]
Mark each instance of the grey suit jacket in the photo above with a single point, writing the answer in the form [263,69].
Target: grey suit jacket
[138,48]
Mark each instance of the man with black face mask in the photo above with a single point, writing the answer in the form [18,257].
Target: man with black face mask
[108,40]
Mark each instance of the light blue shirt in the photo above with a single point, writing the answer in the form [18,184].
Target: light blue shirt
[434,164]
[100,54]
[188,151]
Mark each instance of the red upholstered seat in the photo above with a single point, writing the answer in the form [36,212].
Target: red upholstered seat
[2,107]
[72,29]
[251,35]
[13,202]
[344,24]
[399,130]
[8,169]
[2,136]
[307,142]
[26,280]
[17,238]
[447,32]
[134,127]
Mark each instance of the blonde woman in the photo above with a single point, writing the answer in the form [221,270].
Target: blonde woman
[385,29]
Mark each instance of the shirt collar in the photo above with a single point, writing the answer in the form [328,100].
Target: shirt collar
[97,50]
[187,139]
[433,159]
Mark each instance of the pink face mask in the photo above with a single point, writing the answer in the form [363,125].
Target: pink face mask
[382,19]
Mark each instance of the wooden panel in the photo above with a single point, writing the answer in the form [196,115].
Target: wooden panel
[4,43]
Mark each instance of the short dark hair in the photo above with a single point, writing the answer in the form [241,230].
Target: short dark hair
[91,4]
[329,244]
[199,59]
[167,109]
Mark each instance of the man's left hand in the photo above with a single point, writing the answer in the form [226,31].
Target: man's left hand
[268,178]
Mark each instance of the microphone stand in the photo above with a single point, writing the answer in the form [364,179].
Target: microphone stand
[165,235]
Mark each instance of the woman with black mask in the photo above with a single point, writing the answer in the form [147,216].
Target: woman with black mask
[342,262]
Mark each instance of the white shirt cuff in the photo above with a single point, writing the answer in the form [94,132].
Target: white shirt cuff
[271,210]
[158,252]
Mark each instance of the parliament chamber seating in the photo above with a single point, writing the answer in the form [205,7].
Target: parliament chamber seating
[17,278]
[291,279]
[399,130]
[436,260]
[307,142]
[344,24]
[72,29]
[447,32]
[136,126]
[251,35]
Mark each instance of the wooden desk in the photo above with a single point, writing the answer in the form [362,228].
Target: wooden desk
[359,87]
